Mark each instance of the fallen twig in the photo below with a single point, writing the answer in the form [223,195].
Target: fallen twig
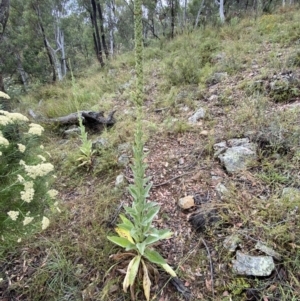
[172,179]
[211,268]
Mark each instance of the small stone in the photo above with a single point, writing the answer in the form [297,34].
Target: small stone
[213,97]
[291,193]
[204,133]
[186,202]
[267,250]
[98,143]
[124,147]
[123,160]
[74,132]
[119,180]
[253,265]
[221,190]
[199,114]
[181,161]
[231,242]
[218,77]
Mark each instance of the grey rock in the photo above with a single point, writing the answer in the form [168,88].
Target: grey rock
[99,143]
[253,265]
[213,97]
[231,242]
[235,154]
[237,158]
[218,77]
[74,132]
[220,148]
[123,160]
[124,147]
[199,114]
[267,250]
[221,190]
[238,142]
[120,179]
[291,193]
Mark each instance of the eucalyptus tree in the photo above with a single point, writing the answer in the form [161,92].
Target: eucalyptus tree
[95,13]
[4,13]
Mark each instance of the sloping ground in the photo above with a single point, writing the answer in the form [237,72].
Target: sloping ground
[251,89]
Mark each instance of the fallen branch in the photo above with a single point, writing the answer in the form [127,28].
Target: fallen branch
[92,120]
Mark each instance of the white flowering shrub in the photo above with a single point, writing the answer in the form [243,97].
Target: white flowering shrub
[26,199]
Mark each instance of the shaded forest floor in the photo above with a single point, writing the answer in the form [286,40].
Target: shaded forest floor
[246,76]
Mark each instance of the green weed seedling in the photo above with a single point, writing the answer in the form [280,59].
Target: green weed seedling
[85,156]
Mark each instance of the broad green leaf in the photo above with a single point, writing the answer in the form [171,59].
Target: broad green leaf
[154,257]
[124,233]
[148,218]
[124,227]
[162,233]
[169,270]
[122,242]
[154,237]
[131,273]
[150,205]
[141,247]
[146,281]
[126,221]
[133,191]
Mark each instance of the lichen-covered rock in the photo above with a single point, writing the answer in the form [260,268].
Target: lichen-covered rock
[253,265]
[235,154]
[199,114]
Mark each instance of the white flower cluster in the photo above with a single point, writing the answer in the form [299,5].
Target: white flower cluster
[21,147]
[56,207]
[45,223]
[21,179]
[3,141]
[35,129]
[4,95]
[39,170]
[7,117]
[28,193]
[27,220]
[13,215]
[52,193]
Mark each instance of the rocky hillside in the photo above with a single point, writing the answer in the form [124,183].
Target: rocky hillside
[222,134]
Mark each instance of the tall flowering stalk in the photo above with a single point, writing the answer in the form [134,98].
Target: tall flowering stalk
[137,232]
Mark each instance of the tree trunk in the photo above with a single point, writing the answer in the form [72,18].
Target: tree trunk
[23,74]
[172,17]
[199,13]
[60,44]
[111,26]
[184,13]
[1,83]
[4,13]
[45,41]
[102,30]
[221,11]
[96,34]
